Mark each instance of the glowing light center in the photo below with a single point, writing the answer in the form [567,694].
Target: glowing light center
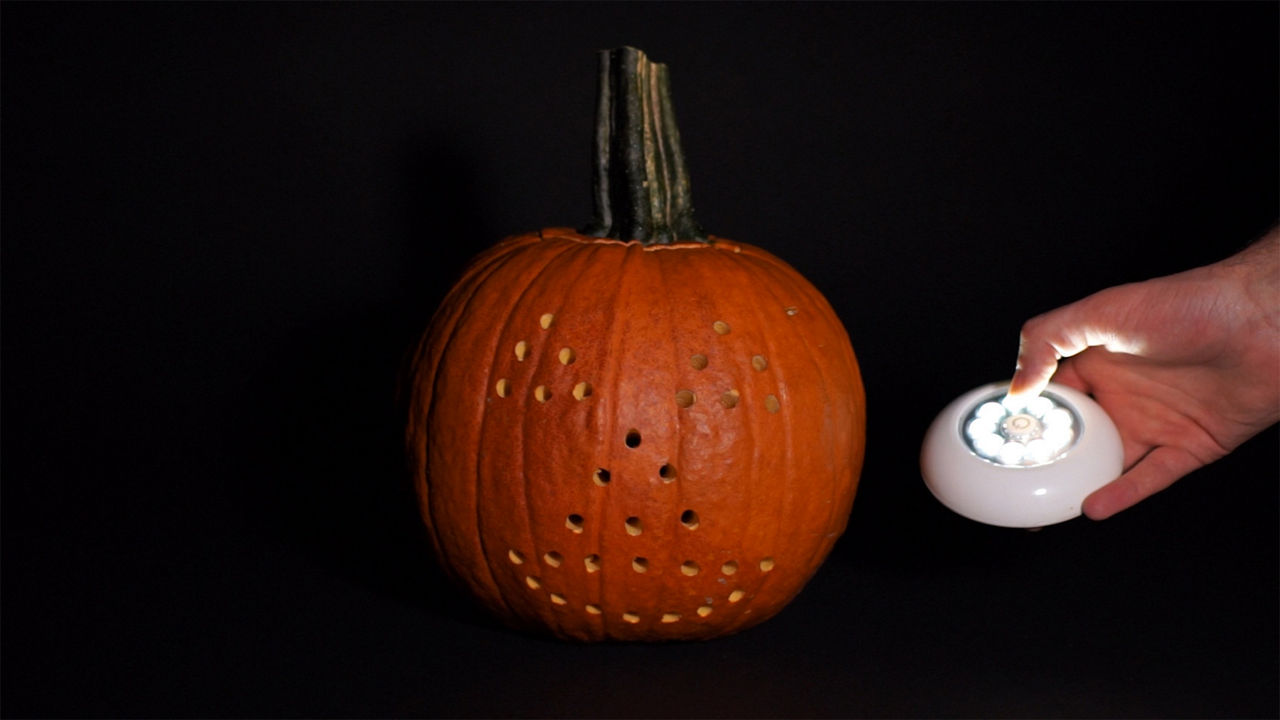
[1021,432]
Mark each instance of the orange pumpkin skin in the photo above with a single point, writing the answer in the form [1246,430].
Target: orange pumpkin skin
[619,441]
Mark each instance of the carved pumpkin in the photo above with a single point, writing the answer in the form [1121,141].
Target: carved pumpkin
[634,432]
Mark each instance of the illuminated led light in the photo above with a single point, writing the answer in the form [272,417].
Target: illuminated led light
[991,410]
[980,426]
[1011,453]
[1038,406]
[1026,463]
[1040,450]
[1040,426]
[988,446]
[1058,437]
[1013,404]
[1058,417]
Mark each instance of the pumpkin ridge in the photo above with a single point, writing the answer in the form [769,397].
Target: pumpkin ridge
[820,550]
[536,286]
[744,478]
[789,491]
[480,436]
[632,255]
[779,518]
[526,290]
[594,625]
[603,426]
[451,311]
[606,426]
[478,487]
[676,457]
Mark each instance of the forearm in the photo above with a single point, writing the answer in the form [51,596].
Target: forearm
[1256,270]
[1255,273]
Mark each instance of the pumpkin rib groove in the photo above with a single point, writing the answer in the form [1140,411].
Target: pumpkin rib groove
[839,513]
[775,534]
[605,398]
[835,509]
[605,422]
[571,272]
[486,559]
[534,288]
[853,462]
[745,478]
[773,537]
[825,386]
[675,448]
[598,259]
[479,275]
[528,281]
[570,269]
[429,356]
[512,250]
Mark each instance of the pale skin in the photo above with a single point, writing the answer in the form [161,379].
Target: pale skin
[1187,365]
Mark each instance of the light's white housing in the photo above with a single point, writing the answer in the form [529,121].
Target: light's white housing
[1020,464]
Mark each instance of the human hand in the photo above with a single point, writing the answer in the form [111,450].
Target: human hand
[1188,366]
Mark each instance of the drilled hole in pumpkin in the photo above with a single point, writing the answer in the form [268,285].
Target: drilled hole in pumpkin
[771,403]
[631,617]
[593,609]
[503,387]
[699,362]
[729,568]
[792,310]
[541,393]
[684,398]
[633,526]
[516,557]
[667,472]
[546,320]
[558,599]
[633,438]
[766,564]
[689,567]
[582,391]
[522,350]
[759,363]
[640,564]
[689,519]
[600,477]
[567,356]
[592,562]
[670,617]
[736,595]
[553,558]
[574,522]
[721,327]
[730,399]
[532,582]
[704,611]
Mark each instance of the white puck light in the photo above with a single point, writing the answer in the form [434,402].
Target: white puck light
[1020,462]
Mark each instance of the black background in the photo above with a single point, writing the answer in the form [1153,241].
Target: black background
[223,224]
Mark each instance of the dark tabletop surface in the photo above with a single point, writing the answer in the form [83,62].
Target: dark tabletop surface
[224,223]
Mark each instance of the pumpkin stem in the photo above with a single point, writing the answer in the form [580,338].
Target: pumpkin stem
[640,180]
